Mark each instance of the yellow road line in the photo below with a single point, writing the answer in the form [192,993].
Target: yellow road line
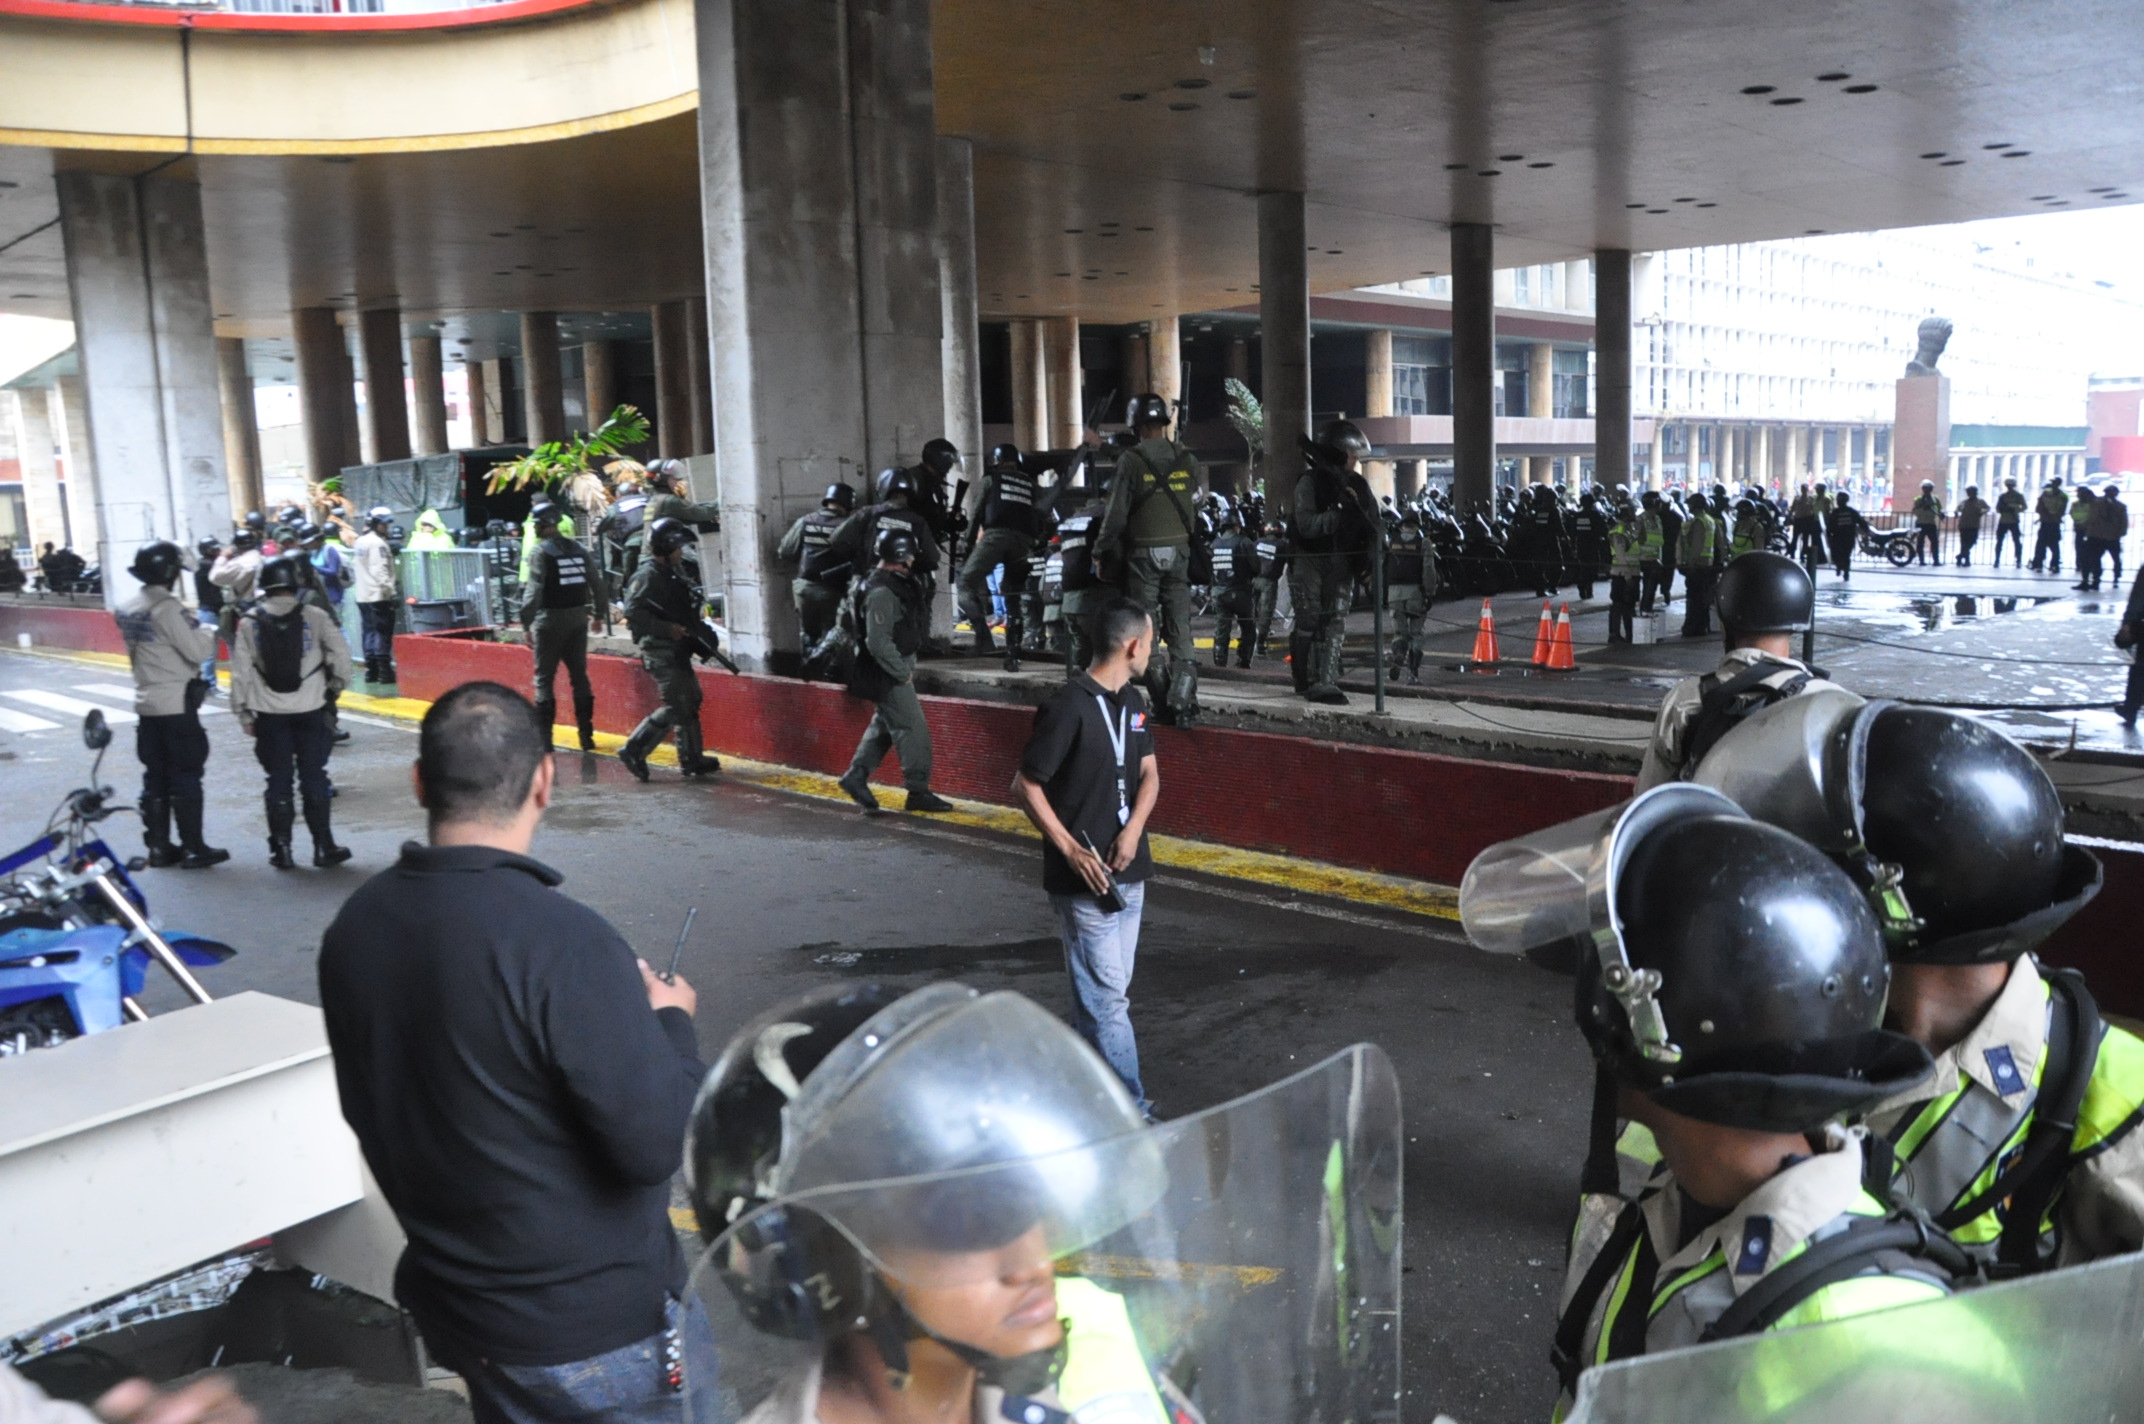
[1281,872]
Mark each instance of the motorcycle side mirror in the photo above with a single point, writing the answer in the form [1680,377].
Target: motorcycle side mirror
[96,732]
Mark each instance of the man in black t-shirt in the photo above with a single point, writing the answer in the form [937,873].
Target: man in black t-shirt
[1088,780]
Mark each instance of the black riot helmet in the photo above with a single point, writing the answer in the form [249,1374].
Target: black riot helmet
[940,456]
[891,482]
[1344,437]
[839,496]
[895,545]
[1763,592]
[663,474]
[667,536]
[380,517]
[209,547]
[244,539]
[255,520]
[544,515]
[1004,456]
[278,575]
[1146,409]
[307,532]
[158,563]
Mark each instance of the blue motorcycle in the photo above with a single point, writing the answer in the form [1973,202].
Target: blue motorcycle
[75,934]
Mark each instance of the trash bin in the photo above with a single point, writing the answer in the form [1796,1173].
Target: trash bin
[1646,627]
[437,615]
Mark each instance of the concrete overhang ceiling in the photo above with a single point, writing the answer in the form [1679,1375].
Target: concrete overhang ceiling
[1567,124]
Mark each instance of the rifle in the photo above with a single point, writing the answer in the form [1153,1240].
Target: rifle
[703,642]
[954,522]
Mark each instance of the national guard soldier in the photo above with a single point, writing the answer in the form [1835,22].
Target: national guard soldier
[1274,555]
[894,616]
[1750,531]
[1082,588]
[1843,527]
[1654,574]
[1589,542]
[1700,560]
[564,589]
[1540,534]
[621,530]
[1149,529]
[1042,598]
[1731,988]
[2048,514]
[821,577]
[1010,516]
[1410,584]
[1972,513]
[1764,599]
[1928,525]
[668,500]
[166,648]
[932,471]
[895,504]
[2010,524]
[208,601]
[1625,573]
[662,610]
[1335,528]
[288,661]
[1235,566]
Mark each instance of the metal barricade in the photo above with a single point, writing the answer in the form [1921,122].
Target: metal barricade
[448,588]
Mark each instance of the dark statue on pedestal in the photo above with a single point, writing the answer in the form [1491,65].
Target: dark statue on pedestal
[1935,335]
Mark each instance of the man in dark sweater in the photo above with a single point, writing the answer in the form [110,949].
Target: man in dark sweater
[519,1083]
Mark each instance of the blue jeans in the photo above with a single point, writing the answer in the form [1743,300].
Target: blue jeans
[1099,949]
[630,1385]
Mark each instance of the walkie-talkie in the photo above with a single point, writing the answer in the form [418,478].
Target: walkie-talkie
[1110,899]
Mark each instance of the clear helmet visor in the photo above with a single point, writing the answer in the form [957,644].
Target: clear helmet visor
[1530,892]
[1250,1254]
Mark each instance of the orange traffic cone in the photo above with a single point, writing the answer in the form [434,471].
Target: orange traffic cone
[1485,636]
[1544,635]
[1560,658]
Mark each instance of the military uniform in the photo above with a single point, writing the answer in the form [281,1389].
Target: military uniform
[1042,601]
[1410,584]
[1148,519]
[1843,527]
[1235,566]
[1010,517]
[1589,545]
[1654,575]
[1972,513]
[1701,558]
[1332,535]
[1083,591]
[857,536]
[1274,554]
[821,575]
[564,586]
[894,616]
[1665,756]
[1625,573]
[2053,504]
[659,597]
[2010,525]
[1928,529]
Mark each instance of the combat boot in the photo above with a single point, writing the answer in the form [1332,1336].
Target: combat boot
[692,760]
[1220,651]
[547,718]
[984,643]
[584,719]
[199,854]
[156,832]
[858,786]
[922,798]
[1414,666]
[1243,655]
[646,737]
[282,816]
[1299,661]
[325,852]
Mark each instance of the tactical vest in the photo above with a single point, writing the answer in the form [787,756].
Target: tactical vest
[1272,559]
[1328,492]
[1403,562]
[1224,562]
[1161,495]
[1009,502]
[1075,543]
[1586,530]
[817,563]
[565,575]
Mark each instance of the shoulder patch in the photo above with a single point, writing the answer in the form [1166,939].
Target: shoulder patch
[2003,1069]
[1756,1246]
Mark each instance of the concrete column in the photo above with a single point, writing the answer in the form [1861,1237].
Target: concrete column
[1407,478]
[1134,368]
[1284,341]
[1165,360]
[494,392]
[1611,367]
[480,431]
[1237,363]
[137,273]
[1060,338]
[385,433]
[818,152]
[324,399]
[1541,402]
[543,395]
[1796,457]
[1577,287]
[700,389]
[30,421]
[599,379]
[428,396]
[959,311]
[1473,362]
[67,409]
[673,380]
[1030,385]
[241,425]
[1377,373]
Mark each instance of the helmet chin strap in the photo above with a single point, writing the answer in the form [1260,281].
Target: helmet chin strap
[893,1327]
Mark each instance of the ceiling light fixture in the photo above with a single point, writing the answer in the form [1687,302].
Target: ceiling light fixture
[1991,147]
[1540,165]
[1490,173]
[1937,154]
[1183,107]
[1781,102]
[1131,98]
[1760,88]
[1834,77]
[1455,167]
[2017,153]
[1193,83]
[1950,163]
[1708,205]
[1860,89]
[1243,93]
[1511,158]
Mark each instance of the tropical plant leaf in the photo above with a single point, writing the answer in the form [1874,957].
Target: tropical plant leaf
[1248,417]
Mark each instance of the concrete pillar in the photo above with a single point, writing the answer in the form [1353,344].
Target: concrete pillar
[495,388]
[1165,361]
[385,432]
[700,390]
[1377,373]
[599,380]
[1284,341]
[543,395]
[818,152]
[325,400]
[959,311]
[1541,402]
[1030,385]
[241,425]
[1134,369]
[480,431]
[137,273]
[1060,339]
[44,510]
[1473,362]
[67,408]
[673,381]
[428,396]
[1237,363]
[1611,367]
[1407,479]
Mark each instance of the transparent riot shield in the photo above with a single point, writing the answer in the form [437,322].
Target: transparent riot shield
[2062,1348]
[1239,1265]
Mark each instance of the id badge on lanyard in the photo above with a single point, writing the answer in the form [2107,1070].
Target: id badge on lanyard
[1119,742]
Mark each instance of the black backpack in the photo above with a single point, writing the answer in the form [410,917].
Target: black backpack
[279,647]
[1723,705]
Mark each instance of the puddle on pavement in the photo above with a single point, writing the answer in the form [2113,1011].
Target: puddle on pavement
[1933,612]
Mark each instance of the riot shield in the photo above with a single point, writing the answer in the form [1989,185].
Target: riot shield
[2066,1347]
[1239,1265]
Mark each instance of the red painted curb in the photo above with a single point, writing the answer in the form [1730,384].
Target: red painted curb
[179,18]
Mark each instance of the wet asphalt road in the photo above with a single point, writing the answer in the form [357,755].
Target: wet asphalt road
[1234,989]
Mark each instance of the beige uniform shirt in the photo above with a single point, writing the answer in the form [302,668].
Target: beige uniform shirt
[1663,755]
[324,669]
[166,646]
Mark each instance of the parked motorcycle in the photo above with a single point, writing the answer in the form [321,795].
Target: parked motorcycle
[75,933]
[1895,545]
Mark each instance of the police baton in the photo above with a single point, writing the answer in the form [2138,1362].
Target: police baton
[670,974]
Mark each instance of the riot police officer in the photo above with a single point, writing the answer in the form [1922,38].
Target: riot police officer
[1235,600]
[666,500]
[1589,541]
[565,588]
[1763,600]
[894,616]
[1147,531]
[1081,590]
[1010,517]
[1843,528]
[933,468]
[820,576]
[896,503]
[288,663]
[1274,554]
[1410,584]
[166,649]
[662,610]
[1334,530]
